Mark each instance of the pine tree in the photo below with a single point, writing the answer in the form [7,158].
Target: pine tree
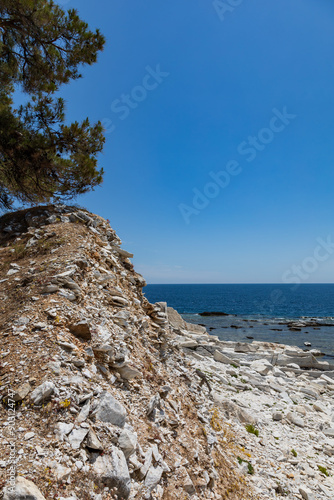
[41,157]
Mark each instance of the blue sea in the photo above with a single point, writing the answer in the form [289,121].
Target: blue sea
[257,312]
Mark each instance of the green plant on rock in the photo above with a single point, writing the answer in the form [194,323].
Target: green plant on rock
[252,430]
[323,470]
[250,468]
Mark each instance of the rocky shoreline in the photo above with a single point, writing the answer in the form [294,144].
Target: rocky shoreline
[314,335]
[106,396]
[284,395]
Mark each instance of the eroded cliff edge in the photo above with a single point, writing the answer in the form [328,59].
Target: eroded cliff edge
[107,403]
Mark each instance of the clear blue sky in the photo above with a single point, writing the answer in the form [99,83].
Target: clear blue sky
[186,89]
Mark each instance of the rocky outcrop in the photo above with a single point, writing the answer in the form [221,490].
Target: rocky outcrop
[178,323]
[112,471]
[107,402]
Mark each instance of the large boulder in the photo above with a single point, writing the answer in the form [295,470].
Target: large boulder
[22,391]
[153,477]
[111,470]
[303,360]
[77,436]
[127,441]
[23,490]
[42,392]
[177,322]
[193,328]
[110,410]
[93,442]
[62,429]
[81,329]
[128,372]
[222,358]
[306,493]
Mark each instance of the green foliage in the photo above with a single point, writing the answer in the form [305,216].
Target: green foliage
[323,470]
[41,157]
[252,430]
[250,468]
